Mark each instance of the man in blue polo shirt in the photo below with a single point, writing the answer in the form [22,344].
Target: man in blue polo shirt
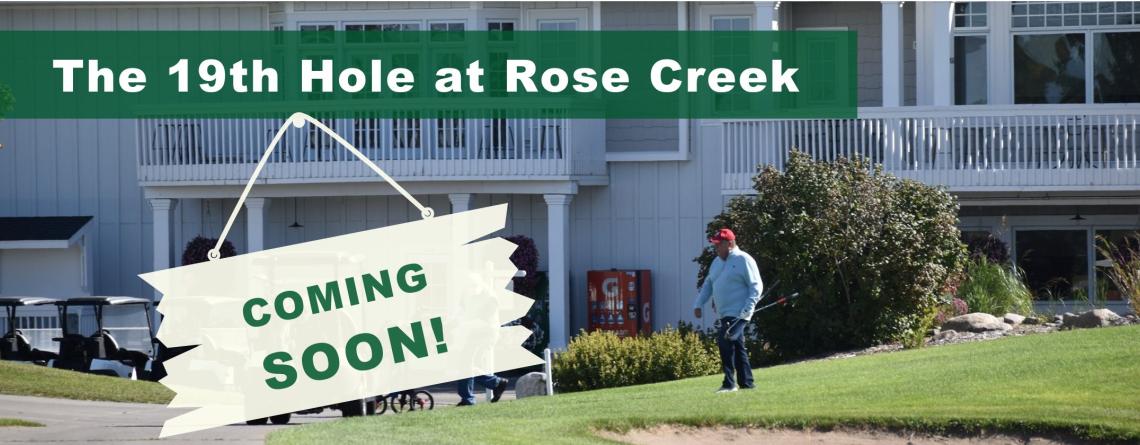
[734,284]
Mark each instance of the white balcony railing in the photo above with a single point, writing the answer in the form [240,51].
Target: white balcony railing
[409,145]
[966,148]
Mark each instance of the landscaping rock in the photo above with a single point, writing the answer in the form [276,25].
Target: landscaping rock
[1013,319]
[1031,320]
[949,333]
[976,322]
[1090,319]
[532,384]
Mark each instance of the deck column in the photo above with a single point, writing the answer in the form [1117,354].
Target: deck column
[460,202]
[892,53]
[162,209]
[255,223]
[558,253]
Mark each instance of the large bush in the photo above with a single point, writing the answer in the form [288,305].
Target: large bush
[601,359]
[869,253]
[198,250]
[994,288]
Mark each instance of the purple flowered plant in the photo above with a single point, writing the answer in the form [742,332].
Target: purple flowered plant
[525,258]
[199,247]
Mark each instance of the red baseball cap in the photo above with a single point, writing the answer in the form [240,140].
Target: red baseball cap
[723,235]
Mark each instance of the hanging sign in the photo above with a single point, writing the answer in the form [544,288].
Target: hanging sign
[342,318]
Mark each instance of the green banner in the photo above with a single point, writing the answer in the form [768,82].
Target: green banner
[520,74]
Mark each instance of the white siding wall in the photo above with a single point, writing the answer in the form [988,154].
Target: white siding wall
[42,272]
[87,166]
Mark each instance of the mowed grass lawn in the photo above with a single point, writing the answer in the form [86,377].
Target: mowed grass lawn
[1085,383]
[23,379]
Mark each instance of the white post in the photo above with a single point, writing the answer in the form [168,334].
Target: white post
[940,33]
[893,92]
[161,209]
[767,16]
[548,369]
[558,228]
[460,202]
[255,223]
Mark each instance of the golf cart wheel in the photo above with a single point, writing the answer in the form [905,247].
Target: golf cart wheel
[260,421]
[422,400]
[281,419]
[354,408]
[369,407]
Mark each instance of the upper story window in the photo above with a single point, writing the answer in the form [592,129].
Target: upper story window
[971,50]
[731,23]
[970,15]
[1075,52]
[1071,14]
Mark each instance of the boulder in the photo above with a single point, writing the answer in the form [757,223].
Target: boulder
[532,384]
[1013,319]
[976,322]
[1089,319]
[1031,320]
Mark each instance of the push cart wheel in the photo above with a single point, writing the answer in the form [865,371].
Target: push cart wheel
[260,421]
[398,402]
[381,405]
[281,419]
[422,400]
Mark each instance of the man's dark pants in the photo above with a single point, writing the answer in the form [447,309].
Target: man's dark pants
[733,356]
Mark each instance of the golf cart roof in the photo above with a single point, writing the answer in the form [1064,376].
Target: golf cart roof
[25,301]
[100,301]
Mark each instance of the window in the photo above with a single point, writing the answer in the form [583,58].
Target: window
[318,34]
[969,15]
[970,70]
[736,23]
[1055,262]
[1049,68]
[447,31]
[730,50]
[1072,14]
[558,25]
[1106,290]
[500,31]
[1116,67]
[1076,52]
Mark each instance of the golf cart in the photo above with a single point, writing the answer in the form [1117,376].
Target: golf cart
[15,345]
[106,335]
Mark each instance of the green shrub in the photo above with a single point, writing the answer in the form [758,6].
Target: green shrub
[994,288]
[596,360]
[869,253]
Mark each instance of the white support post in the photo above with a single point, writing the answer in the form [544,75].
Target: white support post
[255,223]
[767,16]
[893,45]
[161,208]
[940,32]
[460,202]
[558,228]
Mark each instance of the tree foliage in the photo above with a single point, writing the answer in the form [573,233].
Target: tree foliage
[869,253]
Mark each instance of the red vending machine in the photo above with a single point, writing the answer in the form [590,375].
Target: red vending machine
[620,301]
